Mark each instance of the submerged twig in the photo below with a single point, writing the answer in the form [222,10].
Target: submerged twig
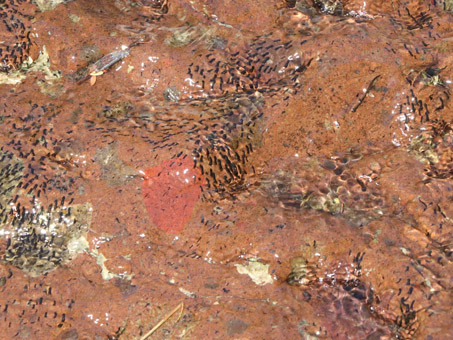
[109,59]
[161,322]
[101,66]
[368,89]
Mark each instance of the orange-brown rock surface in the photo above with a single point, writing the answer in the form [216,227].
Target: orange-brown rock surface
[281,168]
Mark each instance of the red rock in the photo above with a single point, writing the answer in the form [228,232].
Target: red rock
[170,191]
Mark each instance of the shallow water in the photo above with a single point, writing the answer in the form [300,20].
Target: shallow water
[282,168]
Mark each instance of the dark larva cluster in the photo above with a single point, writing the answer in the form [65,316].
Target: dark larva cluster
[222,153]
[218,134]
[31,139]
[15,33]
[414,17]
[238,85]
[11,172]
[217,124]
[434,148]
[267,66]
[41,225]
[35,303]
[39,240]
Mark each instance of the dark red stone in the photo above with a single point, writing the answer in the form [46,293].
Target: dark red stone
[170,191]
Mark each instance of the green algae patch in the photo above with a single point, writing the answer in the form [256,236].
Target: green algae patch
[257,271]
[447,5]
[334,7]
[423,148]
[47,5]
[74,18]
[187,35]
[113,170]
[119,110]
[105,273]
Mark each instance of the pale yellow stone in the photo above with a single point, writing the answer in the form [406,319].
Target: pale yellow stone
[258,272]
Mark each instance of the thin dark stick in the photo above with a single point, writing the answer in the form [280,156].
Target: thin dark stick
[354,109]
